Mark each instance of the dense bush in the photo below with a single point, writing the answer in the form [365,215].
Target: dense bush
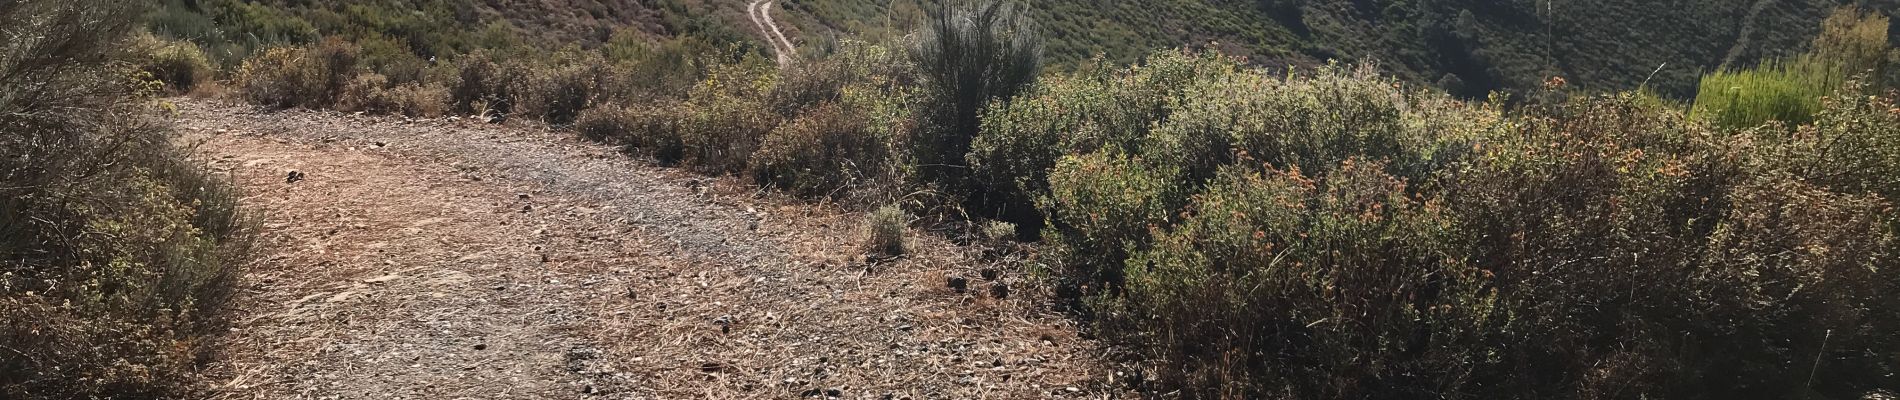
[967,58]
[1093,110]
[482,85]
[1653,250]
[726,117]
[1104,206]
[845,115]
[312,77]
[1343,286]
[827,149]
[181,65]
[116,252]
[371,92]
[1360,241]
[557,94]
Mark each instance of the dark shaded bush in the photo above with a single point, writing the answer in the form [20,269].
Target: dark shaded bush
[116,252]
[652,130]
[968,58]
[824,152]
[557,91]
[482,85]
[1280,284]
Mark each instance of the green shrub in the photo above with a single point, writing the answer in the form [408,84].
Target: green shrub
[181,65]
[654,131]
[726,117]
[968,58]
[1104,206]
[482,85]
[1093,110]
[1308,124]
[557,93]
[118,251]
[1332,235]
[392,59]
[1337,287]
[311,77]
[1785,91]
[372,93]
[665,69]
[1852,45]
[885,231]
[1728,268]
[843,114]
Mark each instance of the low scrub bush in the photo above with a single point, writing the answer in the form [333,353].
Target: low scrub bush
[116,252]
[826,150]
[1344,286]
[482,85]
[557,93]
[1606,248]
[844,115]
[372,93]
[654,131]
[180,65]
[1093,110]
[726,118]
[312,77]
[885,231]
[607,123]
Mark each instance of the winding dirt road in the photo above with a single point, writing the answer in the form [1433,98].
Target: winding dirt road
[449,259]
[761,13]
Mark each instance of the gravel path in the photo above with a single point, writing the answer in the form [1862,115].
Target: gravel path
[450,259]
[761,13]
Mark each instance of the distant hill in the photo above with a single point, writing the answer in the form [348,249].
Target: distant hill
[1468,46]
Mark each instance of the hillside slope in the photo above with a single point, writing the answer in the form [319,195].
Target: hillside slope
[1468,46]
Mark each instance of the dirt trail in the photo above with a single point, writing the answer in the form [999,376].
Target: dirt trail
[761,13]
[449,259]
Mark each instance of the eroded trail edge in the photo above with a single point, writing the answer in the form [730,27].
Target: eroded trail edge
[447,259]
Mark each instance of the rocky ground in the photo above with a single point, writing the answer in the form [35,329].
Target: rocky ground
[454,259]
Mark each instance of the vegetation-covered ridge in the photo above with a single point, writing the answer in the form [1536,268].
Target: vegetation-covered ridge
[1337,231]
[1467,47]
[1464,46]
